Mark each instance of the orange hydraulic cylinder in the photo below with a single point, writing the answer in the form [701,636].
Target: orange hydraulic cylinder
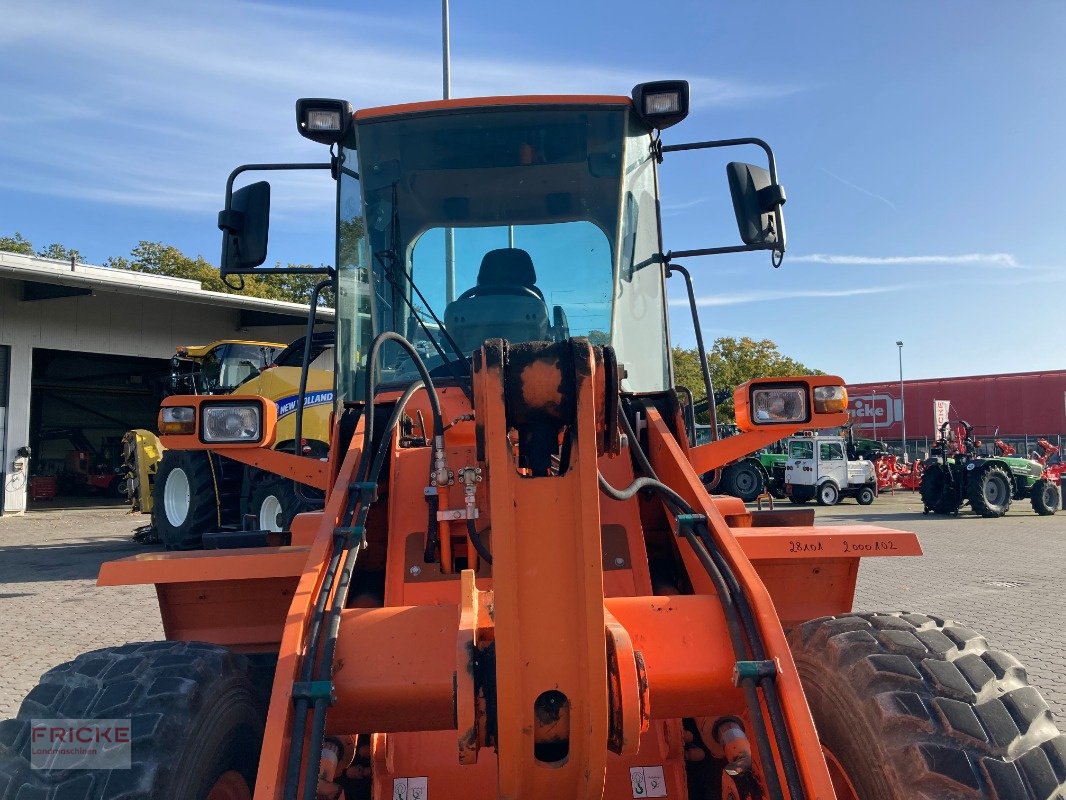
[685,645]
[394,670]
[394,667]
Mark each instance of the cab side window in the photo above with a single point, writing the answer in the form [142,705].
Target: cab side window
[830,451]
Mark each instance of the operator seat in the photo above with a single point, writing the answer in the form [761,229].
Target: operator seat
[505,303]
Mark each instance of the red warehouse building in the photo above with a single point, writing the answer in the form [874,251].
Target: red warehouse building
[1017,404]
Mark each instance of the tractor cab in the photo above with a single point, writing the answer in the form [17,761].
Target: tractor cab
[219,367]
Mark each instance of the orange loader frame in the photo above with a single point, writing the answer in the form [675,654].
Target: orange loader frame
[567,656]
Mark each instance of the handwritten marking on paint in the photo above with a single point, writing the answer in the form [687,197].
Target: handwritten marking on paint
[648,781]
[410,789]
[876,546]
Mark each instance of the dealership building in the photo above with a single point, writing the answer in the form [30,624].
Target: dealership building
[1018,407]
[85,356]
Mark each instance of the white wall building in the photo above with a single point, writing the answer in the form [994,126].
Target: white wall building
[80,344]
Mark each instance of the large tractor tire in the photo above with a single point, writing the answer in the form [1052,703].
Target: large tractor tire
[747,481]
[990,492]
[938,490]
[828,494]
[1045,497]
[184,499]
[274,503]
[197,722]
[910,707]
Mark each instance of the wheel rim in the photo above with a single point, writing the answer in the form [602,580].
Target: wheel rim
[230,786]
[744,481]
[270,514]
[994,491]
[829,494]
[842,786]
[177,497]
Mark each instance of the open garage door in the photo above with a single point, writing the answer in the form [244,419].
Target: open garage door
[5,368]
[81,404]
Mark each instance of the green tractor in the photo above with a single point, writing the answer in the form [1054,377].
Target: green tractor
[748,477]
[957,475]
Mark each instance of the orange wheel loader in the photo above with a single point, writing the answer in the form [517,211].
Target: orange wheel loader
[518,586]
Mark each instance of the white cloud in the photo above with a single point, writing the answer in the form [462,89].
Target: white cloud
[151,104]
[986,259]
[739,298]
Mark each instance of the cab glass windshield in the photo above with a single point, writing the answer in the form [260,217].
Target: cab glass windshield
[462,225]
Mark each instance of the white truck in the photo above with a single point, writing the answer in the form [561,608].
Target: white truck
[818,469]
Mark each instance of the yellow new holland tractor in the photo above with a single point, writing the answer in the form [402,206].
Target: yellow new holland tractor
[189,493]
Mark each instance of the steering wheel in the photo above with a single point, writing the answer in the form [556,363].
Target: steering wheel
[498,289]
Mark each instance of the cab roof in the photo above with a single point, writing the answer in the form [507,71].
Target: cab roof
[481,102]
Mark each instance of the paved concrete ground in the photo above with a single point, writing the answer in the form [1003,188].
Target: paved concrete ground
[1006,578]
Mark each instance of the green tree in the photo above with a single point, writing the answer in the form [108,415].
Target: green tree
[59,252]
[157,258]
[732,362]
[16,244]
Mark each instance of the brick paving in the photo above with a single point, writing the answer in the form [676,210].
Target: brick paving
[1005,578]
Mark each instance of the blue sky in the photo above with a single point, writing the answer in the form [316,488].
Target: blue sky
[920,144]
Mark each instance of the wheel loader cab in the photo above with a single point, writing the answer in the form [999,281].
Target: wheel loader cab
[530,221]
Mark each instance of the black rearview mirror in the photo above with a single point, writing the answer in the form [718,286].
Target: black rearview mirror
[244,225]
[756,199]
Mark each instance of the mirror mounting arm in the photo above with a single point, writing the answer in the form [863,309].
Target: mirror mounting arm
[267,168]
[772,196]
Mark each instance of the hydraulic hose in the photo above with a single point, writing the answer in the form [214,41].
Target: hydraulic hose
[354,519]
[477,542]
[730,611]
[738,603]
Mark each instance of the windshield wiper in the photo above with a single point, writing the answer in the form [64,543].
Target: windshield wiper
[394,265]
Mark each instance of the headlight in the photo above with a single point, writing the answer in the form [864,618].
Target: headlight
[232,423]
[829,399]
[779,404]
[177,420]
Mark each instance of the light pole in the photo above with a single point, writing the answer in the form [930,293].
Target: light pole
[449,233]
[902,404]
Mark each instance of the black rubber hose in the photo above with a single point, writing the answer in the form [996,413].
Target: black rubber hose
[308,665]
[731,613]
[372,472]
[739,603]
[476,541]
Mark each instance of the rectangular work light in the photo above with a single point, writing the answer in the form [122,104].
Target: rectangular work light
[661,103]
[323,120]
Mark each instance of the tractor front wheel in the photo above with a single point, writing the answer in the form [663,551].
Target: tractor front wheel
[938,490]
[196,725]
[1045,497]
[274,503]
[185,502]
[990,492]
[911,707]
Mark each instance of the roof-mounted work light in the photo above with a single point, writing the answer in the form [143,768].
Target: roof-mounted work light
[661,103]
[323,120]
